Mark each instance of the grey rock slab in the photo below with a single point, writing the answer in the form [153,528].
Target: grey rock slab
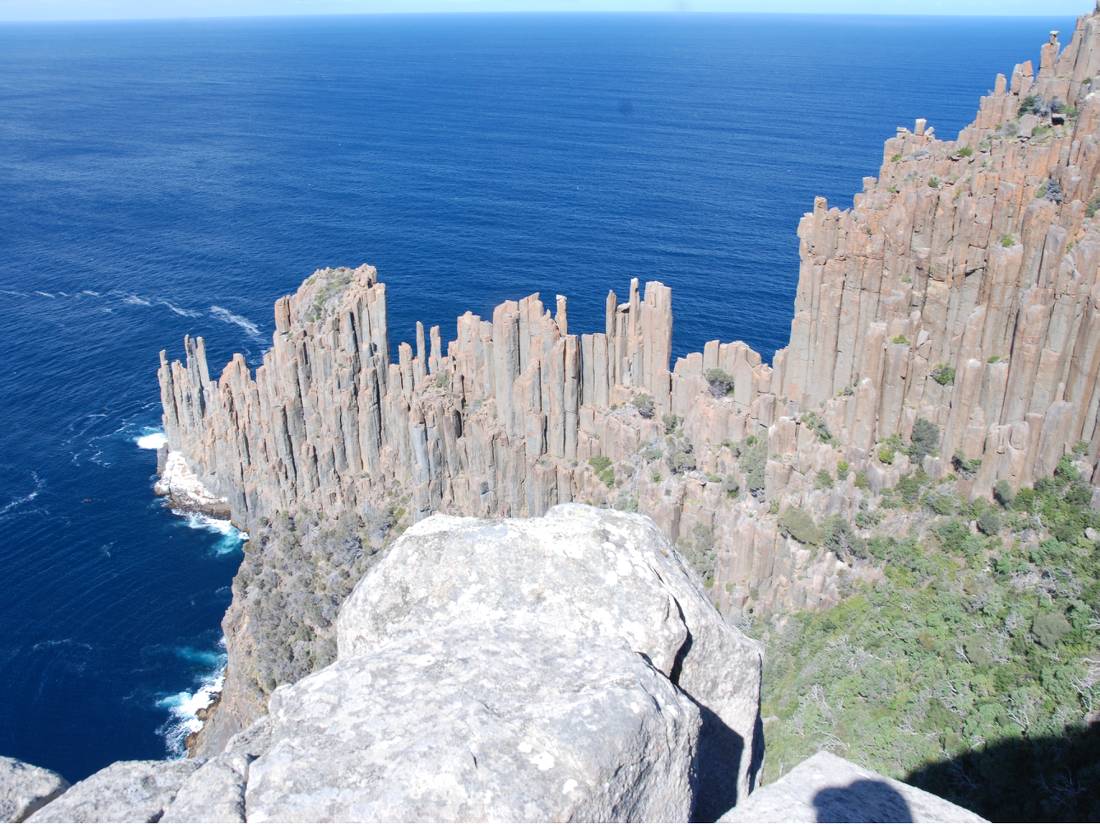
[827,788]
[26,788]
[476,723]
[123,792]
[213,793]
[600,576]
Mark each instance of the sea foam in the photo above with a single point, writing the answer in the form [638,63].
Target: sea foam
[184,707]
[151,440]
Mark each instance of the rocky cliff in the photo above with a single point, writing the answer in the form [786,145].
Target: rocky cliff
[957,298]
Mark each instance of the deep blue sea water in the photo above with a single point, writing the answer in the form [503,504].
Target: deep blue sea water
[158,179]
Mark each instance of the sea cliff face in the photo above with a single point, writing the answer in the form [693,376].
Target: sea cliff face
[957,303]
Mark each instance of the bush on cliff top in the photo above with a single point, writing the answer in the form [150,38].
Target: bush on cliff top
[968,670]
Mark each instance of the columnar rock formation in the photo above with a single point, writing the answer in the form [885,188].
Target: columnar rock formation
[962,288]
[976,258]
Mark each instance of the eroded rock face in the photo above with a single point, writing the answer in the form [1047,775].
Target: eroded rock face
[25,788]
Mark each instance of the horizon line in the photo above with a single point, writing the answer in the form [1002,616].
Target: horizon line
[527,13]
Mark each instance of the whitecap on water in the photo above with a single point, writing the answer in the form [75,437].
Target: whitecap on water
[223,314]
[151,439]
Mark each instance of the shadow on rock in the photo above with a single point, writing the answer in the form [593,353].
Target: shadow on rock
[865,800]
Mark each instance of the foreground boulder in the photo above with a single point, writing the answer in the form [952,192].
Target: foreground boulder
[826,788]
[565,667]
[25,788]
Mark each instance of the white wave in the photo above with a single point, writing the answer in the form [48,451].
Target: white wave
[44,294]
[19,501]
[186,313]
[91,292]
[183,708]
[151,440]
[13,292]
[136,301]
[231,538]
[223,314]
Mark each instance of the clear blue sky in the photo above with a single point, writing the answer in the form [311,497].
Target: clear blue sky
[128,9]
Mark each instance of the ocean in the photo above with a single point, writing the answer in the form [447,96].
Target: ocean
[159,179]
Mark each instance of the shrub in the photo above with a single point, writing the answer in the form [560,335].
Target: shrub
[816,423]
[1049,628]
[886,454]
[966,152]
[1002,493]
[752,461]
[965,467]
[799,525]
[1081,448]
[989,522]
[994,359]
[721,382]
[1007,241]
[672,422]
[862,482]
[934,182]
[1093,207]
[899,339]
[681,458]
[1010,129]
[1051,189]
[924,441]
[943,375]
[823,481]
[644,405]
[839,537]
[731,487]
[603,469]
[1030,105]
[895,157]
[842,468]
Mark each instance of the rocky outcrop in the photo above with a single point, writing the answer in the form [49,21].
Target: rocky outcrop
[826,788]
[25,788]
[568,667]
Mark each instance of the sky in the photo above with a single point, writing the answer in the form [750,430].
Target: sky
[28,10]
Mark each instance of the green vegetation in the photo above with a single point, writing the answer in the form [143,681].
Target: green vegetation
[899,339]
[799,525]
[603,469]
[965,467]
[823,481]
[943,375]
[934,182]
[993,359]
[842,468]
[895,157]
[1007,241]
[966,152]
[1030,105]
[816,423]
[752,461]
[924,441]
[643,403]
[672,423]
[335,280]
[721,382]
[970,669]
[1093,207]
